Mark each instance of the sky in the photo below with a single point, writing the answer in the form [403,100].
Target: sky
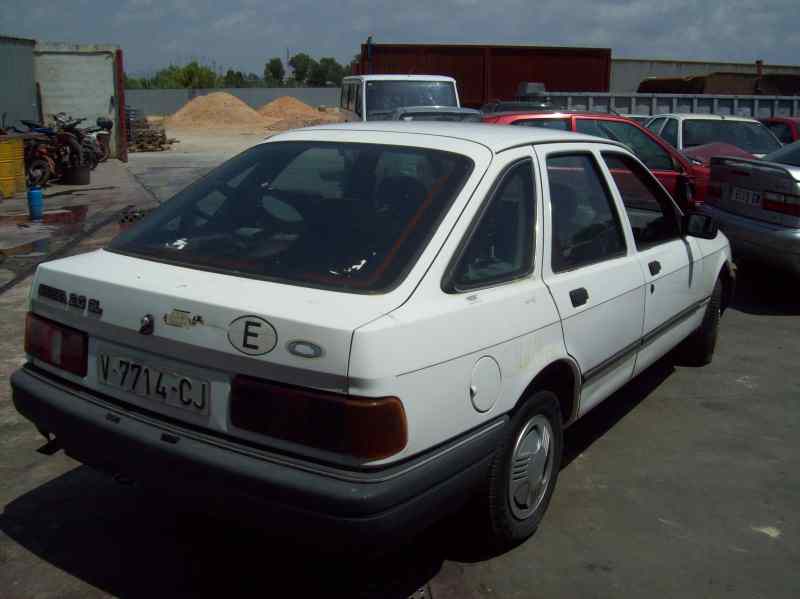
[244,34]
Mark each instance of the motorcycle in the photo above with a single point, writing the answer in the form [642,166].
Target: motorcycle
[101,134]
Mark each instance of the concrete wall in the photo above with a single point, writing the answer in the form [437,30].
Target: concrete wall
[626,74]
[168,101]
[78,80]
[17,85]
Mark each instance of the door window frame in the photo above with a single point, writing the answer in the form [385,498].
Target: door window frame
[448,283]
[658,190]
[603,179]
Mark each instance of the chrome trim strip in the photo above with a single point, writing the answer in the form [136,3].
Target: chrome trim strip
[193,354]
[282,460]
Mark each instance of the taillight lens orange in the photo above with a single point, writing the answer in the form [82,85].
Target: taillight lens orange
[56,344]
[365,428]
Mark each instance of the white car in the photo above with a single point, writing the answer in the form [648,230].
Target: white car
[377,97]
[685,131]
[361,327]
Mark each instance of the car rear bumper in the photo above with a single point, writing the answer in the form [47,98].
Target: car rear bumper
[359,508]
[774,244]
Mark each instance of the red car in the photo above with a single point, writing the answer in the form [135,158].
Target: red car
[785,128]
[685,179]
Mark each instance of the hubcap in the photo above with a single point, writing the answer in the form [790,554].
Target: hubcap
[531,467]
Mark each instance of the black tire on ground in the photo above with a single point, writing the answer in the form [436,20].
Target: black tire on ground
[38,172]
[698,348]
[534,433]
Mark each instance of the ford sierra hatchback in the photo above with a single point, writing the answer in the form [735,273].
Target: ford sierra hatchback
[359,328]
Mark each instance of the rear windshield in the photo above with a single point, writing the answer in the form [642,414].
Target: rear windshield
[788,154]
[751,137]
[343,216]
[383,97]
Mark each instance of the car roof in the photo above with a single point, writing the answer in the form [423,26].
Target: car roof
[398,78]
[550,113]
[780,119]
[494,137]
[690,116]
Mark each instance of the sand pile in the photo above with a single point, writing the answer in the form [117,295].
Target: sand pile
[285,107]
[219,109]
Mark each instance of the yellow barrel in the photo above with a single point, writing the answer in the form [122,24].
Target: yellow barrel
[19,157]
[12,166]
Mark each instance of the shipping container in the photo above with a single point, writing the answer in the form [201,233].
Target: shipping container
[493,72]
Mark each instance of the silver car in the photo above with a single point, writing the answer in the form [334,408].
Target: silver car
[757,205]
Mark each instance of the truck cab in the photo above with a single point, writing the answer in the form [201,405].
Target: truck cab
[376,97]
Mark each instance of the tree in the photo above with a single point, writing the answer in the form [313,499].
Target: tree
[301,65]
[274,72]
[317,74]
[333,70]
[233,79]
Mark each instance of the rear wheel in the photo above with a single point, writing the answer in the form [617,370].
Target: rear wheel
[698,349]
[524,471]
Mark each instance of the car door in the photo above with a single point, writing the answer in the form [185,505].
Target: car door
[591,270]
[671,264]
[660,159]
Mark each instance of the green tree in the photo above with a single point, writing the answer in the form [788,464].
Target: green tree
[233,79]
[301,65]
[134,82]
[333,70]
[317,74]
[274,72]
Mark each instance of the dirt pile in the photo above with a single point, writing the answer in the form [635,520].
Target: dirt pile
[219,109]
[285,107]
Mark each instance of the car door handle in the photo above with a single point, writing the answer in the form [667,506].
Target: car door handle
[655,267]
[579,296]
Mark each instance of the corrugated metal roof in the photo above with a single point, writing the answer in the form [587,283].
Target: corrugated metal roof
[17,40]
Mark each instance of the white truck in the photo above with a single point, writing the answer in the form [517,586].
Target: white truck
[376,97]
[358,327]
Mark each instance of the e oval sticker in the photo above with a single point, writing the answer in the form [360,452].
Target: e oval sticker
[252,335]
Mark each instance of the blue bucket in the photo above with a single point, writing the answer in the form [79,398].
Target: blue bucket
[35,203]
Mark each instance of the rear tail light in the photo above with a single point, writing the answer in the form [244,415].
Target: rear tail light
[365,428]
[56,344]
[785,204]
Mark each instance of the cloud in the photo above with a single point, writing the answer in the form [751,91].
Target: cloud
[245,33]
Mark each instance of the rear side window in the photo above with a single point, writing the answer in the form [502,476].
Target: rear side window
[652,214]
[343,216]
[585,224]
[647,149]
[750,136]
[500,248]
[655,125]
[557,124]
[781,131]
[670,132]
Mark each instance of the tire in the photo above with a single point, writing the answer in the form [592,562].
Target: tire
[698,348]
[38,172]
[536,424]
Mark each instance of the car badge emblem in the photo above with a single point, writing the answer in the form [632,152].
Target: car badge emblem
[146,324]
[182,319]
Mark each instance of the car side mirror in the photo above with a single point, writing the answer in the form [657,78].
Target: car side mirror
[699,225]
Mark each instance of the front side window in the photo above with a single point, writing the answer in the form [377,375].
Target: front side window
[500,248]
[341,216]
[586,227]
[384,97]
[651,212]
[670,132]
[646,148]
[557,124]
[750,136]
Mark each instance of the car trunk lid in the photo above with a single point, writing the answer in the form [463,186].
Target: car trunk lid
[764,191]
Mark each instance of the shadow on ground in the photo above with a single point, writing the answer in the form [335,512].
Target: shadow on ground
[132,545]
[764,290]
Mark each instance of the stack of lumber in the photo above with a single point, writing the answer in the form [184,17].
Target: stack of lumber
[148,137]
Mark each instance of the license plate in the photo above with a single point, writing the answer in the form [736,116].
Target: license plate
[746,196]
[170,388]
